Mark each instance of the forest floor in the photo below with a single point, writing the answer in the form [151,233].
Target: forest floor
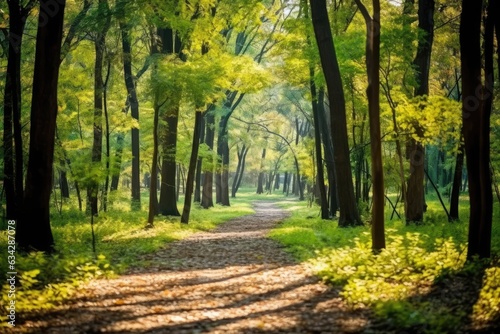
[229,280]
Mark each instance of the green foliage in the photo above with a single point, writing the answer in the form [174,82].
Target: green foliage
[420,283]
[394,274]
[487,308]
[46,281]
[430,119]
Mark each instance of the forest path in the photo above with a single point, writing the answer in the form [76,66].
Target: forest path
[230,280]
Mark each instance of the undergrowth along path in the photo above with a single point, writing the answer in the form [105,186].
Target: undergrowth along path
[229,280]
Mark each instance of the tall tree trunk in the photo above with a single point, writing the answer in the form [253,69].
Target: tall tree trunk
[207,194]
[260,181]
[285,183]
[134,108]
[107,137]
[168,202]
[415,151]
[222,175]
[197,189]
[33,229]
[476,100]
[171,44]
[153,189]
[373,93]
[115,176]
[328,149]
[192,166]
[349,214]
[277,181]
[12,136]
[100,45]
[63,182]
[320,177]
[457,185]
[238,176]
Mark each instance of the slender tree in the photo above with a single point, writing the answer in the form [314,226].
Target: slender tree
[415,151]
[103,24]
[320,176]
[207,193]
[192,167]
[133,102]
[373,93]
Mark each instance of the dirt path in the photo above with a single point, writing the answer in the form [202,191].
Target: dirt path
[230,280]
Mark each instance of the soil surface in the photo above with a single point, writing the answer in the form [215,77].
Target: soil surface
[230,280]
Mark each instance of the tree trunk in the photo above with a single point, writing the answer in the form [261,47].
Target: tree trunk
[476,103]
[107,137]
[100,45]
[12,136]
[457,184]
[168,202]
[320,177]
[33,228]
[153,189]
[134,108]
[63,183]
[197,189]
[260,181]
[115,176]
[285,183]
[238,176]
[349,214]
[207,194]
[328,149]
[171,45]
[415,151]
[222,176]
[192,166]
[373,93]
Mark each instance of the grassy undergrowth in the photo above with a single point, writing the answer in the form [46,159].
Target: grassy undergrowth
[45,281]
[419,283]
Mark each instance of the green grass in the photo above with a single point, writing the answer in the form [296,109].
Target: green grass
[419,283]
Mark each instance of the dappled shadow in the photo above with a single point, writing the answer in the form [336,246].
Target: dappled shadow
[232,279]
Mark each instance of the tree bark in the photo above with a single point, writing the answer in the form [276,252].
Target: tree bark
[192,166]
[373,93]
[457,185]
[12,136]
[415,198]
[100,45]
[134,108]
[33,229]
[328,149]
[207,194]
[349,214]
[260,181]
[320,177]
[153,189]
[168,202]
[197,189]
[238,176]
[171,44]
[476,104]
[63,183]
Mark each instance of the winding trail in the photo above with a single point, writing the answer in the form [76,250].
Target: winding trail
[229,280]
